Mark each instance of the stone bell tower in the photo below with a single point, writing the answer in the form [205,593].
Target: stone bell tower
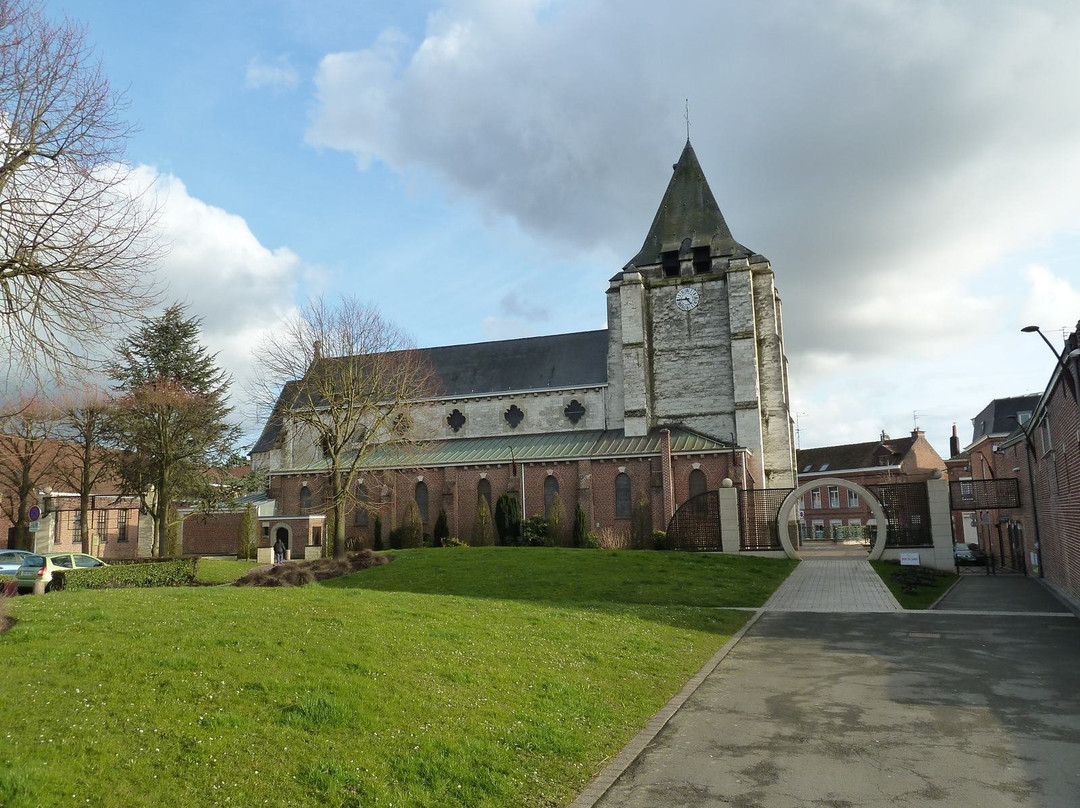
[695,335]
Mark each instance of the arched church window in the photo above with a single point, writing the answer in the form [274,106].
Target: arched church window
[622,496]
[697,482]
[483,491]
[305,500]
[551,488]
[702,262]
[360,517]
[670,263]
[422,500]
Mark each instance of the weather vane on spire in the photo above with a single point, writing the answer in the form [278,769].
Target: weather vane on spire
[686,117]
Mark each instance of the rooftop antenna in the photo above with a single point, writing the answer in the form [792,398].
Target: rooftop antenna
[915,417]
[686,116]
[798,430]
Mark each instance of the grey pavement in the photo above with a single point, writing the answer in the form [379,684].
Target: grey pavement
[974,707]
[1000,593]
[834,585]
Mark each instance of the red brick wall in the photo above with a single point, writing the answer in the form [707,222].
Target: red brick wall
[211,534]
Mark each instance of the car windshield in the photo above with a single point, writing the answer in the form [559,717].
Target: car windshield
[33,561]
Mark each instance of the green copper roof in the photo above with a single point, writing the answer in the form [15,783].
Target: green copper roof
[688,211]
[594,443]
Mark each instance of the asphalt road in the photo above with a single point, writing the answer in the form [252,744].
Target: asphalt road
[906,709]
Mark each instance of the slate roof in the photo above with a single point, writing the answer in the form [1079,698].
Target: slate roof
[852,455]
[532,363]
[577,445]
[999,416]
[688,211]
[486,368]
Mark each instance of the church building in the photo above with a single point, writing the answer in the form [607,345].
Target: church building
[686,387]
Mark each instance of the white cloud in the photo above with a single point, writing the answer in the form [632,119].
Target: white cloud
[278,75]
[1052,301]
[214,263]
[883,155]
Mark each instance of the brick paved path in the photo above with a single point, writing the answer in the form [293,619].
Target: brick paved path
[833,585]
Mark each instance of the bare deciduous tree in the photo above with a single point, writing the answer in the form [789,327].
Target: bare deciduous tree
[83,458]
[76,234]
[343,380]
[27,455]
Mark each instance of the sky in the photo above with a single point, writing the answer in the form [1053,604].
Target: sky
[479,169]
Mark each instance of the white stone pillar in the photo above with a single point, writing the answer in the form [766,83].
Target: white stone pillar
[729,518]
[940,525]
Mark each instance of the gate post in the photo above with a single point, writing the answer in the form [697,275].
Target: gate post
[937,494]
[730,539]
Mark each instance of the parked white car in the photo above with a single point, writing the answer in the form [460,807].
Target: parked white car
[41,568]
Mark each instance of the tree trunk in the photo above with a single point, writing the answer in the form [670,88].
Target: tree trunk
[338,504]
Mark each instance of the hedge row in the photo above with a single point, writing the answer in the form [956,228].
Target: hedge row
[156,572]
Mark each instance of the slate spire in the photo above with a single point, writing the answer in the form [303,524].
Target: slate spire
[688,217]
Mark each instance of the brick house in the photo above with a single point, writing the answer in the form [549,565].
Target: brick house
[685,387]
[1043,454]
[832,512]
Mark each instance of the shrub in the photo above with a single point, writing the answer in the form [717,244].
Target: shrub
[911,578]
[590,540]
[641,524]
[135,573]
[441,530]
[299,573]
[394,538]
[613,538]
[556,519]
[412,532]
[581,527]
[483,532]
[454,541]
[376,534]
[508,518]
[660,540]
[247,535]
[534,532]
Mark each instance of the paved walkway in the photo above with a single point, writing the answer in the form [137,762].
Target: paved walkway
[833,585]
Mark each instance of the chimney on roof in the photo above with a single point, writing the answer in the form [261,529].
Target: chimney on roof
[316,353]
[954,443]
[884,436]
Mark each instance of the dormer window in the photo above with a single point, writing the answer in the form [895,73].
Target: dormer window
[670,262]
[702,261]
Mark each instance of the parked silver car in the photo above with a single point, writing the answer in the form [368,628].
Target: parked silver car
[11,560]
[41,568]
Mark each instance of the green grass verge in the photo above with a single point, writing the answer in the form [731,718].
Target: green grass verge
[561,575]
[348,696]
[924,596]
[215,571]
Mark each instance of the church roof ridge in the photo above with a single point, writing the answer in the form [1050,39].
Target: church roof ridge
[688,216]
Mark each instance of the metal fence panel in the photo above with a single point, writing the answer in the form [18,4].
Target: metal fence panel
[968,495]
[759,509]
[907,507]
[695,526]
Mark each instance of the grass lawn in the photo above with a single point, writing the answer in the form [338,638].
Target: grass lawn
[370,692]
[215,571]
[924,596]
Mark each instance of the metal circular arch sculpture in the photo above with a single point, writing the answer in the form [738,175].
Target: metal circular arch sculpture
[875,507]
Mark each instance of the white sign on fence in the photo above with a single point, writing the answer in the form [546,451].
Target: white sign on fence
[909,559]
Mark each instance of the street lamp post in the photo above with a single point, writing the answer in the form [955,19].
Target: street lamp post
[1075,388]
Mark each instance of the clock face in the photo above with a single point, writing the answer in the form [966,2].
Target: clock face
[687,298]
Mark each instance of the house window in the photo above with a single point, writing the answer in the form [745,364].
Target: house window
[622,496]
[102,524]
[305,500]
[815,498]
[76,527]
[316,536]
[551,488]
[1023,416]
[1044,434]
[852,499]
[122,526]
[967,490]
[483,491]
[422,500]
[834,496]
[818,526]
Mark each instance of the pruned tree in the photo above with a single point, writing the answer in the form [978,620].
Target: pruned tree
[483,532]
[556,518]
[76,232]
[343,380]
[28,451]
[83,458]
[169,421]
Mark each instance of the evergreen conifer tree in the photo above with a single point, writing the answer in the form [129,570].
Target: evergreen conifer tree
[483,533]
[441,530]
